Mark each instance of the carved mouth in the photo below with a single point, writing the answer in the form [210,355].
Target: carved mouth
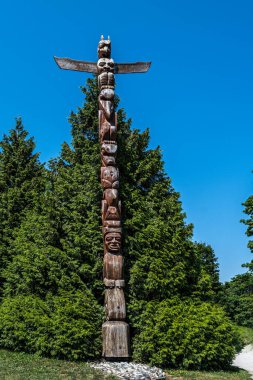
[114,247]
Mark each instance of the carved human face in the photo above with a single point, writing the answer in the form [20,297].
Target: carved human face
[105,65]
[113,242]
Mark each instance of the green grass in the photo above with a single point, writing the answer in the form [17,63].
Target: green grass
[196,375]
[246,334]
[20,366]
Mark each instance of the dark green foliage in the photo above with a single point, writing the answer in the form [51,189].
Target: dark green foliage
[208,283]
[190,335]
[21,180]
[47,307]
[62,326]
[40,265]
[58,257]
[237,294]
[237,298]
[57,253]
[248,210]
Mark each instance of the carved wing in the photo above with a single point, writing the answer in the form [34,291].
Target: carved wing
[127,68]
[72,64]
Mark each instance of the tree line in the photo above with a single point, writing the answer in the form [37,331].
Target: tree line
[51,253]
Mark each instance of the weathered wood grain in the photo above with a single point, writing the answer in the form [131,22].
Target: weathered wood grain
[116,340]
[112,283]
[115,305]
[73,64]
[113,267]
[131,68]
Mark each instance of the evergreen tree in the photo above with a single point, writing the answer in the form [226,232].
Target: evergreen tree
[63,255]
[58,260]
[237,294]
[237,298]
[248,210]
[208,283]
[21,180]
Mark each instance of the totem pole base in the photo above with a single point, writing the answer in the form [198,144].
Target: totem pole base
[116,341]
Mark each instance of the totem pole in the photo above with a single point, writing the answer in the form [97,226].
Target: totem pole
[115,330]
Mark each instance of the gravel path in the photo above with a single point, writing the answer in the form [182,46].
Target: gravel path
[244,359]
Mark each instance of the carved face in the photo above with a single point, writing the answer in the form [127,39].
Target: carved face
[111,197]
[110,173]
[105,65]
[107,94]
[109,149]
[113,241]
[108,154]
[104,48]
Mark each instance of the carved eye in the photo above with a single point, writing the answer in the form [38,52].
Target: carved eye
[102,63]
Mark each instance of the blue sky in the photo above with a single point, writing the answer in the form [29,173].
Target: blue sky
[196,99]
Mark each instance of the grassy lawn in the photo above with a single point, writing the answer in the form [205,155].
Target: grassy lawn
[246,334]
[20,366]
[195,375]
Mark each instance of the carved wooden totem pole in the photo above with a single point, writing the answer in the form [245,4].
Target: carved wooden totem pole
[115,330]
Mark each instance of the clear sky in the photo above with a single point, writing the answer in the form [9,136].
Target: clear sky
[196,99]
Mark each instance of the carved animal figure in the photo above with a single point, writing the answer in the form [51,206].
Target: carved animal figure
[108,154]
[104,47]
[110,177]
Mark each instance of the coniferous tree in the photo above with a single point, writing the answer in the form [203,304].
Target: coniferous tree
[237,298]
[237,294]
[21,180]
[248,210]
[57,263]
[62,258]
[208,282]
